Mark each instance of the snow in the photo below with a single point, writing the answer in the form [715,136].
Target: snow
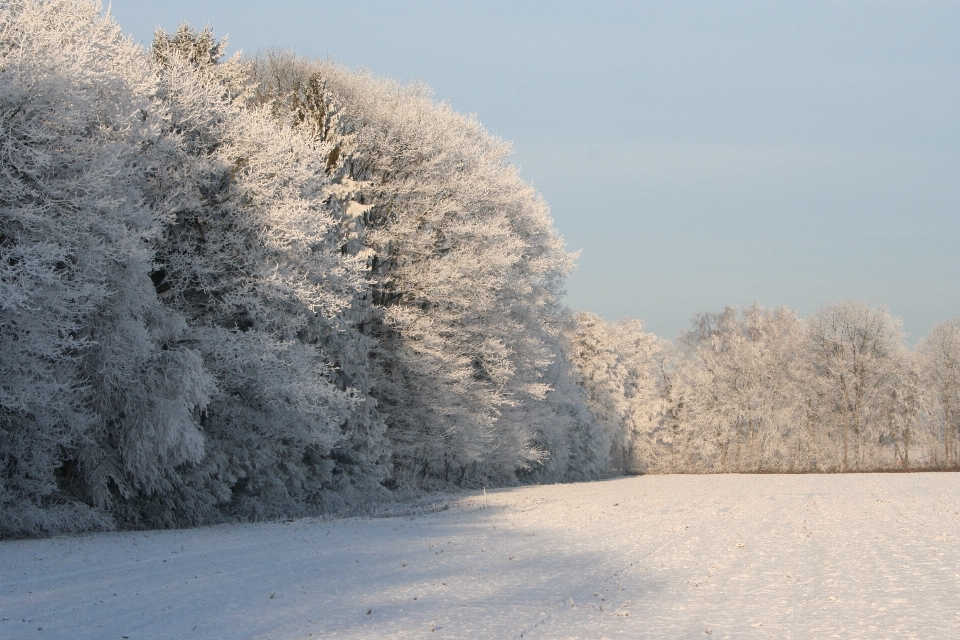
[789,556]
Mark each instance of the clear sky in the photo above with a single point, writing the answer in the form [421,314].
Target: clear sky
[698,154]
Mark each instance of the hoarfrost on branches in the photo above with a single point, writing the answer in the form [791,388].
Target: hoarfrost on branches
[254,288]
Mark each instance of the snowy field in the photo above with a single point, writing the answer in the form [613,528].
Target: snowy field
[807,556]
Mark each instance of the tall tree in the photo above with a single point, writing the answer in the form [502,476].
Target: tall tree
[465,267]
[252,260]
[621,369]
[99,395]
[742,392]
[857,357]
[939,356]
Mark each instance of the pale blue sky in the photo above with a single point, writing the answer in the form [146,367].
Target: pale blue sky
[700,154]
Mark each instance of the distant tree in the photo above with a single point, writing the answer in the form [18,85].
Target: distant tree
[602,373]
[901,411]
[939,361]
[740,388]
[858,359]
[621,369]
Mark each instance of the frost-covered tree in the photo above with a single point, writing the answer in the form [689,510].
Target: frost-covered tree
[604,378]
[252,259]
[939,361]
[857,359]
[740,382]
[223,299]
[99,395]
[765,391]
[901,413]
[204,53]
[464,264]
[172,325]
[625,374]
[571,443]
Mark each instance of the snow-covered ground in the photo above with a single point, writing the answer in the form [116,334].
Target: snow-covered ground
[805,556]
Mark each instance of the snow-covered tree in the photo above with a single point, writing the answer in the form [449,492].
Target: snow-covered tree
[573,445]
[465,267]
[939,361]
[901,412]
[762,390]
[621,369]
[740,387]
[252,259]
[99,396]
[858,358]
[172,325]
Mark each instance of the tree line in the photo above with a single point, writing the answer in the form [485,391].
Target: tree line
[252,288]
[764,391]
[267,287]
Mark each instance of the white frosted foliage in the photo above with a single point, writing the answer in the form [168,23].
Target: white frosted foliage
[97,399]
